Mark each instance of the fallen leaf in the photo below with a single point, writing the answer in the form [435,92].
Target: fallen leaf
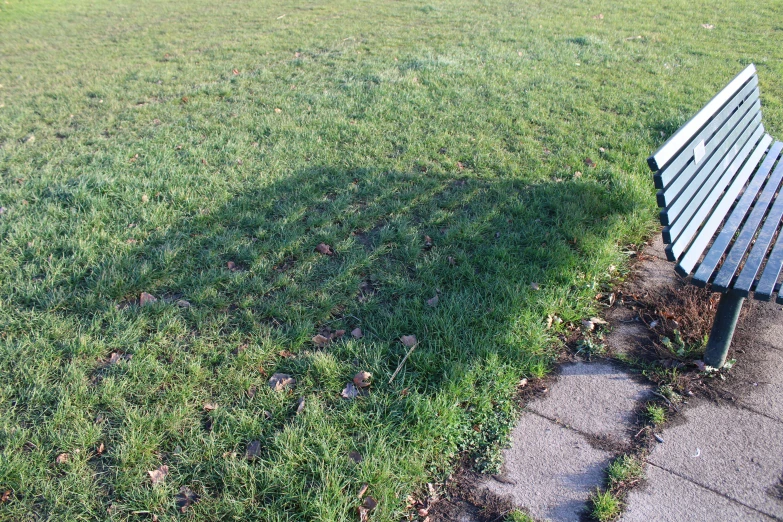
[116,357]
[589,162]
[297,54]
[253,450]
[300,405]
[355,456]
[285,354]
[251,391]
[147,299]
[708,26]
[433,301]
[701,365]
[577,174]
[363,513]
[210,406]
[325,249]
[356,333]
[281,381]
[145,198]
[203,161]
[427,242]
[363,490]
[597,320]
[598,17]
[62,458]
[349,392]
[535,286]
[549,320]
[278,110]
[337,334]
[185,498]
[601,150]
[101,449]
[159,475]
[184,99]
[362,379]
[409,340]
[523,383]
[183,304]
[235,71]
[451,261]
[460,165]
[231,265]
[423,512]
[589,326]
[320,340]
[370,503]
[7,495]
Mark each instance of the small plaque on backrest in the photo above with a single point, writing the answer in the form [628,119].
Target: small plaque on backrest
[699,152]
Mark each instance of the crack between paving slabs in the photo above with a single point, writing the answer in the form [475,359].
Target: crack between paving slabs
[719,493]
[595,441]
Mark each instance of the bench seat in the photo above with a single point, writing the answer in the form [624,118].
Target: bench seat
[718,178]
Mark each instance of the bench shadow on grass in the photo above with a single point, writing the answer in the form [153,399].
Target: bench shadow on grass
[490,239]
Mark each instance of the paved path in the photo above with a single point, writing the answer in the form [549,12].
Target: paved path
[720,459]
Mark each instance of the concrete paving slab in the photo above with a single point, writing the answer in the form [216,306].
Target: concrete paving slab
[599,399]
[756,381]
[730,450]
[667,497]
[550,470]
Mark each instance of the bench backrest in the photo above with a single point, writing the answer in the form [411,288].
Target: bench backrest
[702,168]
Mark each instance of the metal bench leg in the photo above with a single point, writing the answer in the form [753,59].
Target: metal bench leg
[723,329]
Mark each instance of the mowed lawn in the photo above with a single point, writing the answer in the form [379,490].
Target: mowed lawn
[491,154]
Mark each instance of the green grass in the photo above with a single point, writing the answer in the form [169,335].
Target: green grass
[624,471]
[604,506]
[171,138]
[656,414]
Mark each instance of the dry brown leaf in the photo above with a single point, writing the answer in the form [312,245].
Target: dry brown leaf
[460,166]
[349,392]
[210,406]
[7,496]
[589,325]
[337,334]
[356,333]
[251,391]
[159,475]
[281,381]
[370,503]
[235,71]
[253,450]
[708,26]
[598,17]
[278,111]
[231,265]
[362,379]
[183,304]
[597,320]
[145,198]
[433,302]
[62,458]
[324,249]
[147,299]
[589,162]
[427,242]
[285,354]
[300,405]
[409,340]
[363,490]
[363,514]
[320,340]
[355,456]
[185,498]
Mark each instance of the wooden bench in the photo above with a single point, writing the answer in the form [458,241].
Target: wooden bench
[718,178]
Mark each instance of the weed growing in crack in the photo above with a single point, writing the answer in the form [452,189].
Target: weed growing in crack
[604,506]
[656,414]
[625,472]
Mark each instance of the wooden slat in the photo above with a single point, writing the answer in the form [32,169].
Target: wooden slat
[680,138]
[721,243]
[688,224]
[753,263]
[722,281]
[712,170]
[689,260]
[670,178]
[769,277]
